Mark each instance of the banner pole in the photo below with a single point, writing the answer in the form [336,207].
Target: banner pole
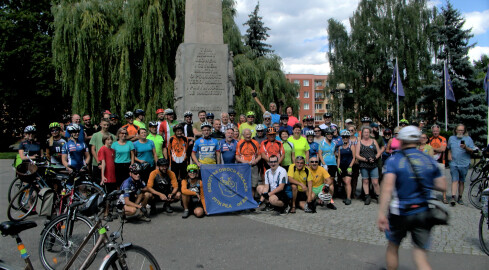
[397,91]
[445,87]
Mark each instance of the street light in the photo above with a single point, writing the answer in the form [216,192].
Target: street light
[341,90]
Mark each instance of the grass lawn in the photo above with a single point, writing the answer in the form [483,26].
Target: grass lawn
[7,155]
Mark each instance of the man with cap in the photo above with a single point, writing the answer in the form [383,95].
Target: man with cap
[188,130]
[132,130]
[114,123]
[348,123]
[267,119]
[409,177]
[157,140]
[284,119]
[166,127]
[249,124]
[309,125]
[160,114]
[139,121]
[275,117]
[232,117]
[327,121]
[209,117]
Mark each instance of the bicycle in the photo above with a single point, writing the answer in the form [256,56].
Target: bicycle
[475,191]
[120,255]
[13,228]
[484,222]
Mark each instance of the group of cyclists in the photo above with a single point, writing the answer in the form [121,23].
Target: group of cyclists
[293,164]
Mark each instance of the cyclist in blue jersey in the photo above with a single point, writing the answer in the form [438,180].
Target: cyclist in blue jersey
[228,147]
[74,153]
[30,148]
[308,125]
[207,147]
[313,146]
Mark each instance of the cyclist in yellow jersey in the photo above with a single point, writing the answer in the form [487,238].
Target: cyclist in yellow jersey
[321,182]
[300,179]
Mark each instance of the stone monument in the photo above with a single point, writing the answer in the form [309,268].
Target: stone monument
[204,65]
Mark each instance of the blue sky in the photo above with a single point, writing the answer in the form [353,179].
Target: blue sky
[298,28]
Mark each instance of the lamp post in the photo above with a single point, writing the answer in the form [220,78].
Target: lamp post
[340,90]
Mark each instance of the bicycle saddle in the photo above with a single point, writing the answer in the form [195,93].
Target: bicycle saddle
[15,227]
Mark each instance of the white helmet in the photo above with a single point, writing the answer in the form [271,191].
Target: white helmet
[310,133]
[325,197]
[409,134]
[345,133]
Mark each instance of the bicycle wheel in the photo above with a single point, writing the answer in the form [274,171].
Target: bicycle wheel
[484,234]
[135,257]
[56,246]
[476,173]
[475,192]
[22,203]
[14,187]
[85,189]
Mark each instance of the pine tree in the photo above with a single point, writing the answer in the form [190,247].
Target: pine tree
[256,34]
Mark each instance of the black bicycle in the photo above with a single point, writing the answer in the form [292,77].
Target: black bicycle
[484,222]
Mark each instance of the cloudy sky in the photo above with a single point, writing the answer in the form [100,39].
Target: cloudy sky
[298,28]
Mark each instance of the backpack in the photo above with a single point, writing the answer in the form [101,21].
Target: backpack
[162,184]
[45,200]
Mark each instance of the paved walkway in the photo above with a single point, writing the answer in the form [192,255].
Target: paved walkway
[357,222]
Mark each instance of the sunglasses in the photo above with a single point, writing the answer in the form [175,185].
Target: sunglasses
[351,130]
[250,116]
[192,171]
[55,130]
[345,137]
[267,118]
[272,162]
[313,162]
[135,173]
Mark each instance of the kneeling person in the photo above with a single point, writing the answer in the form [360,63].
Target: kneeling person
[135,198]
[274,188]
[163,184]
[193,193]
[321,183]
[301,181]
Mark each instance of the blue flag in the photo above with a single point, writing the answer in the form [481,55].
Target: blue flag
[395,82]
[448,85]
[227,188]
[485,85]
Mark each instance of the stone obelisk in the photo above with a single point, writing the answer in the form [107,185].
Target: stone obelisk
[204,66]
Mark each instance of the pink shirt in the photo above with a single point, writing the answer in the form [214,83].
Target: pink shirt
[395,144]
[292,121]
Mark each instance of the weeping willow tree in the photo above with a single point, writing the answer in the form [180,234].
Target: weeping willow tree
[262,73]
[117,54]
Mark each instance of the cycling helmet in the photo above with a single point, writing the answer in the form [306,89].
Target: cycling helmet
[309,118]
[404,121]
[29,129]
[205,124]
[159,111]
[373,124]
[232,112]
[325,197]
[328,131]
[345,133]
[135,168]
[139,112]
[271,131]
[209,115]
[177,127]
[129,114]
[54,125]
[310,133]
[188,113]
[260,127]
[250,113]
[169,111]
[73,128]
[366,119]
[114,116]
[153,124]
[325,115]
[387,132]
[192,167]
[284,116]
[409,134]
[162,162]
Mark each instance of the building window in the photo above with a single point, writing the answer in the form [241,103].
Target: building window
[297,82]
[318,117]
[306,94]
[298,94]
[306,106]
[328,107]
[319,83]
[305,82]
[318,106]
[327,84]
[318,95]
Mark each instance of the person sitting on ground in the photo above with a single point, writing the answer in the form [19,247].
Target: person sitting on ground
[273,190]
[193,193]
[321,182]
[300,180]
[163,184]
[135,198]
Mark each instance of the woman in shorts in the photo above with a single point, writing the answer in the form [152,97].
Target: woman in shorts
[367,153]
[346,159]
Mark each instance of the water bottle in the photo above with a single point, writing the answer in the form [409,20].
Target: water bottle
[485,202]
[148,208]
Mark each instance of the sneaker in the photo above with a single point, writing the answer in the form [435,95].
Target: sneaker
[306,209]
[331,206]
[168,208]
[144,218]
[186,213]
[452,202]
[367,199]
[266,208]
[347,201]
[460,201]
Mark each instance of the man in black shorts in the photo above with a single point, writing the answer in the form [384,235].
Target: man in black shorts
[162,183]
[273,190]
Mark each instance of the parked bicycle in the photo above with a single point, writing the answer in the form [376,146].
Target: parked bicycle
[475,191]
[13,228]
[484,222]
[62,248]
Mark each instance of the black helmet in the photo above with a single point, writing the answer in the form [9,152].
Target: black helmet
[327,115]
[188,113]
[177,127]
[328,131]
[366,119]
[284,116]
[139,112]
[135,168]
[162,162]
[114,116]
[232,112]
[209,115]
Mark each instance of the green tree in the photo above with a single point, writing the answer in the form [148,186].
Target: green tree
[256,34]
[27,81]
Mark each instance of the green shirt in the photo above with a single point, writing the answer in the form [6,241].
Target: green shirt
[288,149]
[96,140]
[158,141]
[247,126]
[139,124]
[300,146]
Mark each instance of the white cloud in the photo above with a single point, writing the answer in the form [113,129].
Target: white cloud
[476,53]
[478,21]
